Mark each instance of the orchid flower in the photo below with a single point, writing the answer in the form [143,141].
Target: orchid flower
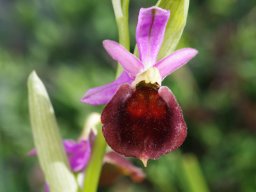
[142,118]
[79,154]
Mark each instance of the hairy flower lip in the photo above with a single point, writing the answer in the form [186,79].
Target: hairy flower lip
[144,136]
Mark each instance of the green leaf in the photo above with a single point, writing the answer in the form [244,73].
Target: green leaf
[47,139]
[175,26]
[191,176]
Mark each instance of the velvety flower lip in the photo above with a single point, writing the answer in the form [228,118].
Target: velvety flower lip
[143,122]
[142,118]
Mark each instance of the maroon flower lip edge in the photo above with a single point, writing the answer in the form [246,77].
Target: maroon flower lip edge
[142,118]
[143,122]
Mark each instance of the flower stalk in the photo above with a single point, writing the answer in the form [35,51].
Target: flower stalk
[121,10]
[93,170]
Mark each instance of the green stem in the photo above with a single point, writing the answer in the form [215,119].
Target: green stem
[93,170]
[121,10]
[190,174]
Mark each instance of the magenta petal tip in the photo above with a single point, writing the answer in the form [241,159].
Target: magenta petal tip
[176,60]
[103,94]
[129,62]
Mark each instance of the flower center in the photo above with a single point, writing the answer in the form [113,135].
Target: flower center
[150,76]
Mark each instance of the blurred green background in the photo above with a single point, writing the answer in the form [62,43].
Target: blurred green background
[62,41]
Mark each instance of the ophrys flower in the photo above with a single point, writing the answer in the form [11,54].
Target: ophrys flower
[142,118]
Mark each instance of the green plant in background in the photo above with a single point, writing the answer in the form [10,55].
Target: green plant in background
[216,91]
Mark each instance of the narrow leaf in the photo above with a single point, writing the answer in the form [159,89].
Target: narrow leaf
[192,177]
[93,170]
[47,139]
[175,26]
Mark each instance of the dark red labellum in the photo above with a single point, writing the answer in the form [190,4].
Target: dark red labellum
[144,122]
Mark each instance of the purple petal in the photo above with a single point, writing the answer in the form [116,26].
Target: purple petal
[69,145]
[150,33]
[46,188]
[103,94]
[130,63]
[32,153]
[175,61]
[78,154]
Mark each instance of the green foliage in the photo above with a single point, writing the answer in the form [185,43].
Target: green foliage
[48,141]
[191,177]
[175,26]
[62,41]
